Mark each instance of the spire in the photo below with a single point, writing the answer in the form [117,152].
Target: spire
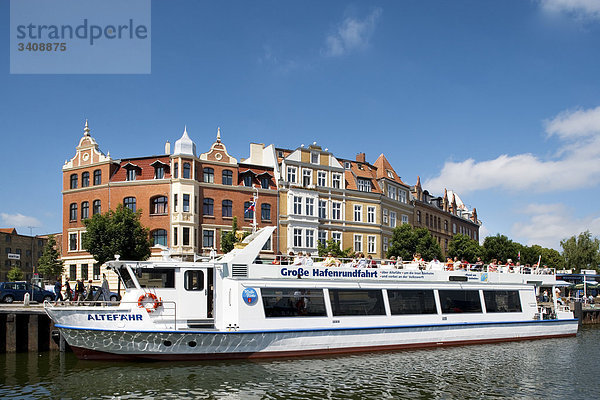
[184,145]
[219,134]
[86,129]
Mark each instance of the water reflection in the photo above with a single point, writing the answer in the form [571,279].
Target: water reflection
[557,368]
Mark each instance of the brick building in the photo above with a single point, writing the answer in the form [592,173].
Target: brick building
[19,251]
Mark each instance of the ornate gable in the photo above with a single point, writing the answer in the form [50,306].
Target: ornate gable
[218,152]
[87,152]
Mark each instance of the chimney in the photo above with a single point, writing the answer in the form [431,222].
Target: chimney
[256,153]
[168,147]
[361,157]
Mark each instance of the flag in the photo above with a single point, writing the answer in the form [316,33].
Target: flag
[251,207]
[519,255]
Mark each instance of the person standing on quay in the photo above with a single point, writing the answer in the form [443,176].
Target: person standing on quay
[105,289]
[57,289]
[68,291]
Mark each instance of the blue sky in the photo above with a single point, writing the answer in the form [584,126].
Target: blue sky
[496,100]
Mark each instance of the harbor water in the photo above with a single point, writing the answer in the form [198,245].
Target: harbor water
[549,369]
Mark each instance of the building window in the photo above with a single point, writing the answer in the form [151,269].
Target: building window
[446,226]
[97,177]
[265,181]
[321,178]
[73,212]
[336,237]
[187,171]
[322,237]
[174,203]
[310,238]
[176,170]
[96,271]
[371,215]
[158,205]
[357,213]
[404,219]
[454,228]
[129,202]
[186,236]
[73,272]
[175,236]
[209,175]
[297,237]
[385,216]
[306,177]
[314,158]
[96,207]
[131,174]
[265,212]
[336,210]
[297,205]
[371,244]
[159,171]
[392,193]
[208,238]
[227,206]
[227,177]
[85,210]
[357,243]
[393,219]
[418,217]
[291,174]
[248,210]
[402,194]
[247,180]
[207,206]
[186,203]
[85,179]
[347,165]
[159,237]
[336,181]
[84,272]
[74,181]
[322,209]
[72,241]
[310,206]
[364,185]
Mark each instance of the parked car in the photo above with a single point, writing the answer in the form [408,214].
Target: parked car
[112,297]
[15,291]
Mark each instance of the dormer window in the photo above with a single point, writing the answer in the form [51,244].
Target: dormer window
[390,174]
[159,169]
[364,185]
[131,174]
[314,158]
[347,165]
[248,180]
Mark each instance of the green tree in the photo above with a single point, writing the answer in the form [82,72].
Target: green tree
[581,252]
[499,247]
[116,232]
[407,241]
[15,274]
[333,247]
[50,264]
[462,246]
[229,239]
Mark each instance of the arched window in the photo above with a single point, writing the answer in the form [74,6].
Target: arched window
[265,212]
[96,207]
[227,208]
[85,179]
[85,210]
[158,205]
[73,212]
[227,177]
[209,175]
[74,181]
[187,170]
[159,236]
[208,206]
[129,202]
[97,177]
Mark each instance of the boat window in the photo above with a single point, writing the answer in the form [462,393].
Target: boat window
[156,277]
[125,277]
[502,300]
[411,302]
[460,301]
[356,302]
[194,280]
[289,302]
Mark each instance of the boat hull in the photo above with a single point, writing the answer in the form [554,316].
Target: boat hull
[206,345]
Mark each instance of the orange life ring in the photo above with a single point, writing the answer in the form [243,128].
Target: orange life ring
[142,303]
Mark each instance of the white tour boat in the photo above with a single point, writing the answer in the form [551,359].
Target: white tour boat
[236,307]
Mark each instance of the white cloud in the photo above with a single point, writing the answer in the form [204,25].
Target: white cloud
[19,221]
[576,8]
[351,35]
[548,224]
[575,165]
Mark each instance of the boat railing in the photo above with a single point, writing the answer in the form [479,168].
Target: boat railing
[406,265]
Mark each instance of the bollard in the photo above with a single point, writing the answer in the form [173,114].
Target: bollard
[26,300]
